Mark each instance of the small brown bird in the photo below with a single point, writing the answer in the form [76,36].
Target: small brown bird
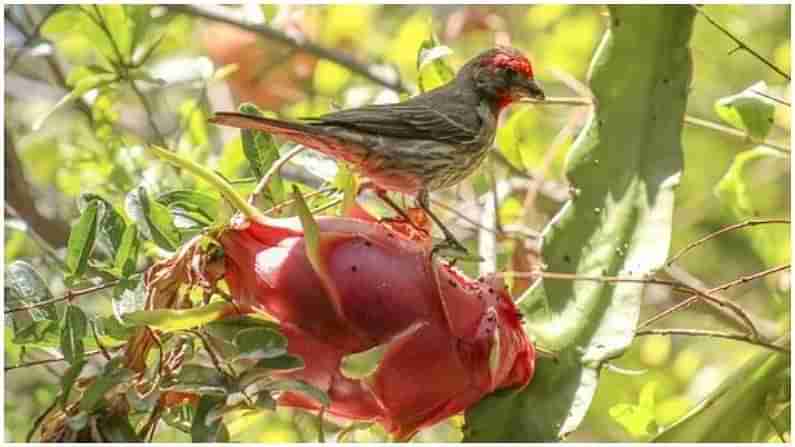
[428,142]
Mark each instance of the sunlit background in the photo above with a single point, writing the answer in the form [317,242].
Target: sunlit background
[202,66]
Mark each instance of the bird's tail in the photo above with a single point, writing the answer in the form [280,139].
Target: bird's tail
[310,136]
[269,125]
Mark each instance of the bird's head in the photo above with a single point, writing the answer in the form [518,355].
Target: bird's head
[502,75]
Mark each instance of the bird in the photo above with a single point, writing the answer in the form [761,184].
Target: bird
[428,142]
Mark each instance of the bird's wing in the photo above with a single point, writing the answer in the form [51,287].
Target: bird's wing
[407,120]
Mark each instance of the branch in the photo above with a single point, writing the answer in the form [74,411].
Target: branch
[675,285]
[747,223]
[70,295]
[698,122]
[274,169]
[54,359]
[741,45]
[772,98]
[693,121]
[29,37]
[18,195]
[714,334]
[689,301]
[224,15]
[150,117]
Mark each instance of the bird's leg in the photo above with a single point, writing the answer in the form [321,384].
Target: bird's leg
[450,242]
[382,194]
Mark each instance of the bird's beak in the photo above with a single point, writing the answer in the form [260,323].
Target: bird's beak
[532,90]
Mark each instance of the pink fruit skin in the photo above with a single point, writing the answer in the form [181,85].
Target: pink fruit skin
[377,286]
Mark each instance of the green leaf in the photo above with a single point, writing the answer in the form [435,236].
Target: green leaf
[200,430]
[260,343]
[432,66]
[748,111]
[345,181]
[734,188]
[81,241]
[200,379]
[120,27]
[362,364]
[40,334]
[228,328]
[301,387]
[117,428]
[81,87]
[639,420]
[24,287]
[128,298]
[219,183]
[68,381]
[311,231]
[112,376]
[75,328]
[745,197]
[170,320]
[192,201]
[111,223]
[282,362]
[154,219]
[735,410]
[261,152]
[623,169]
[127,252]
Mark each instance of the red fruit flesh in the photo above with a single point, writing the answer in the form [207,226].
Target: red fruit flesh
[377,286]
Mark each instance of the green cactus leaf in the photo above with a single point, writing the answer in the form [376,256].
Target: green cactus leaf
[735,411]
[623,168]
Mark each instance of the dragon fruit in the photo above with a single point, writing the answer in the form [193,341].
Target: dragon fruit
[446,340]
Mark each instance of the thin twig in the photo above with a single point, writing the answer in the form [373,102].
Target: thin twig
[771,97]
[213,356]
[698,122]
[279,206]
[742,44]
[583,101]
[689,301]
[263,182]
[40,419]
[715,334]
[30,37]
[224,15]
[559,101]
[70,295]
[150,117]
[99,343]
[54,359]
[747,223]
[681,275]
[675,285]
[503,232]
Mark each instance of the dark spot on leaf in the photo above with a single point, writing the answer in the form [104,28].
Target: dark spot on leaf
[665,81]
[491,290]
[367,243]
[567,258]
[354,268]
[616,22]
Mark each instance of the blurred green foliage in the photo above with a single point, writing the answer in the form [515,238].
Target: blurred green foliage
[84,100]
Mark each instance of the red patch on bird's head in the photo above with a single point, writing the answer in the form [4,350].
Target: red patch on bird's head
[512,60]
